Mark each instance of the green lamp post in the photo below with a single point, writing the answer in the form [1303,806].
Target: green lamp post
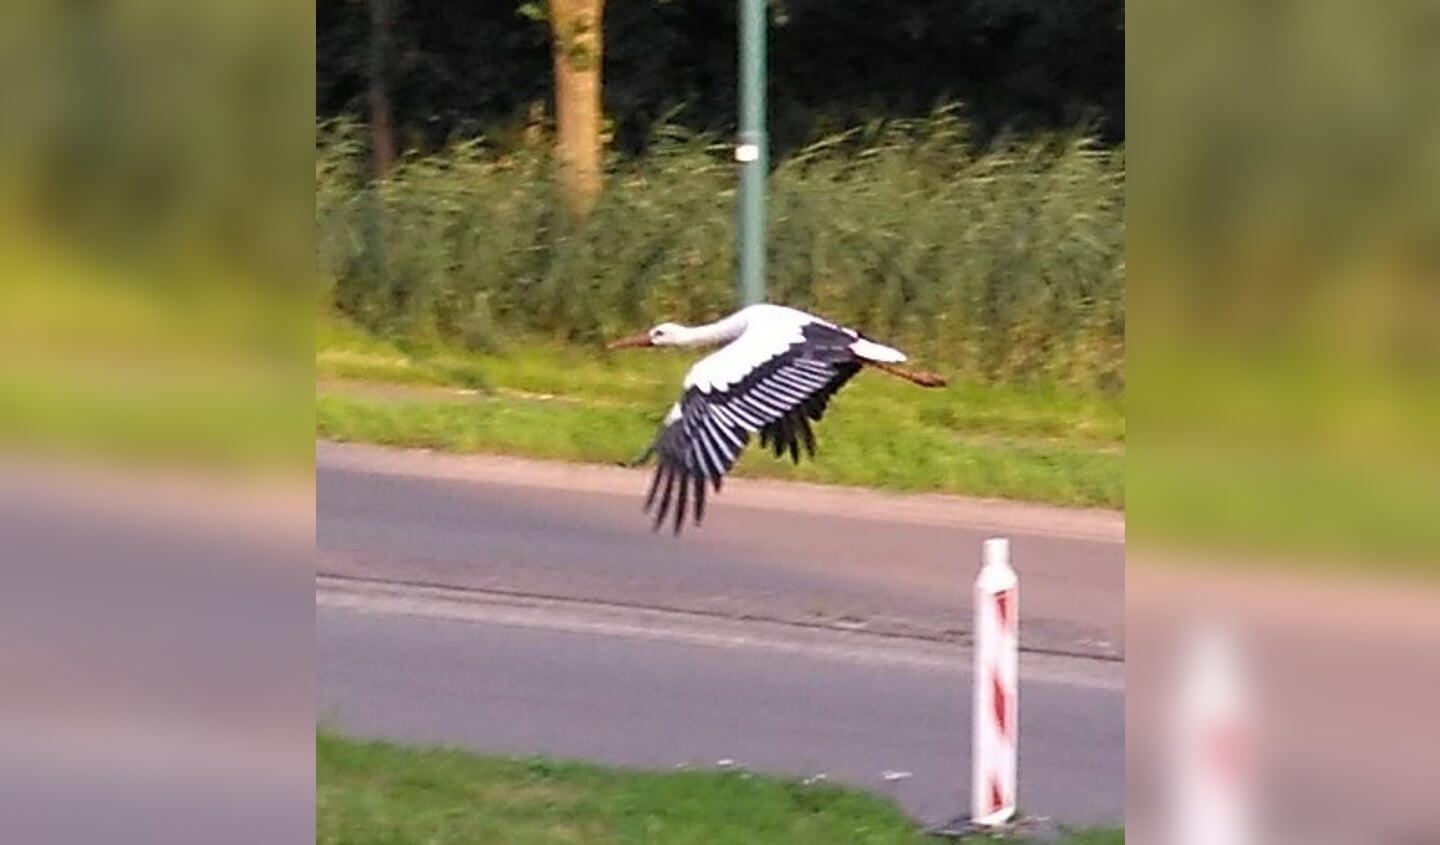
[752,151]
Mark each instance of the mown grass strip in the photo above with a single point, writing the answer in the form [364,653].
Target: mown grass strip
[367,793]
[575,403]
[856,448]
[652,378]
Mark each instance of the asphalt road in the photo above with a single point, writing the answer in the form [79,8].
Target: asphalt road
[688,696]
[676,686]
[883,563]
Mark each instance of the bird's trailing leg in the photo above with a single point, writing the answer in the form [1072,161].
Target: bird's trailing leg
[642,459]
[920,377]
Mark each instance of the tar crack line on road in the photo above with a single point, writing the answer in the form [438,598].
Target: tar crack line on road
[713,631]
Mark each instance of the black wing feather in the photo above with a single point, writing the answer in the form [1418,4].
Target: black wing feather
[670,473]
[699,499]
[793,430]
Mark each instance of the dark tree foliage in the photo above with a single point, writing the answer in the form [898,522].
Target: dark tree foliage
[469,67]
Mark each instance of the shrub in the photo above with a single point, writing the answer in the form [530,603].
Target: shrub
[1002,265]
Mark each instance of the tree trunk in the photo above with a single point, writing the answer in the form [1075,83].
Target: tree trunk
[382,129]
[576,37]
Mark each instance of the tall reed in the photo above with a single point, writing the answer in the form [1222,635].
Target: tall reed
[1000,265]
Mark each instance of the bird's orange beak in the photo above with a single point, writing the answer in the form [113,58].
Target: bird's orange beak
[642,339]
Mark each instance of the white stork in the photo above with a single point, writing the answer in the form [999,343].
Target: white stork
[775,375]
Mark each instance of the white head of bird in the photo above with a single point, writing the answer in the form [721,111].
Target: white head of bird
[669,334]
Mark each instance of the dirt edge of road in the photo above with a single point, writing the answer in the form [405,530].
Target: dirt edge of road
[921,509]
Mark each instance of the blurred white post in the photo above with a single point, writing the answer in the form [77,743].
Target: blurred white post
[1212,751]
[995,732]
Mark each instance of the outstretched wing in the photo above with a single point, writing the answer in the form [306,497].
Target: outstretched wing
[736,392]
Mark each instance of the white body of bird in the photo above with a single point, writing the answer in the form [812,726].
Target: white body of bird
[757,334]
[774,377]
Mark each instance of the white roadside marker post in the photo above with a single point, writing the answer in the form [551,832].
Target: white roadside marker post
[995,731]
[1212,746]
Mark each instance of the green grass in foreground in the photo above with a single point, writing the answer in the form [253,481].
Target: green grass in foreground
[370,792]
[583,405]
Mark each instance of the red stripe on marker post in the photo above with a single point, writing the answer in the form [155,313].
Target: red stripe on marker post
[1000,702]
[995,726]
[1002,607]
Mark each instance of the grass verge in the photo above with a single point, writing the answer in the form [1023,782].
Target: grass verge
[373,792]
[570,403]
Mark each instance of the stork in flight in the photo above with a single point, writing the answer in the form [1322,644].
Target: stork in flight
[775,375]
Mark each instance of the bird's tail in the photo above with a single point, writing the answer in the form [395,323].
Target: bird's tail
[920,377]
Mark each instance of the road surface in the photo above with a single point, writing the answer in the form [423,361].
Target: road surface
[462,601]
[889,564]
